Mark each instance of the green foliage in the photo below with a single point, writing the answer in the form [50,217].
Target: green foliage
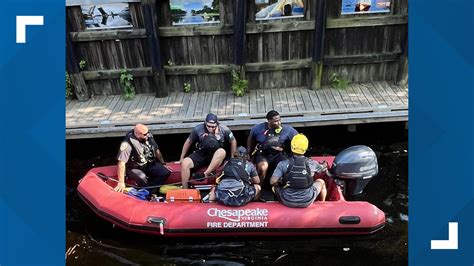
[69,86]
[187,88]
[126,79]
[338,82]
[82,64]
[239,85]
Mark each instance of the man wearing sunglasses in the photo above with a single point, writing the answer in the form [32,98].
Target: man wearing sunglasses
[209,138]
[140,158]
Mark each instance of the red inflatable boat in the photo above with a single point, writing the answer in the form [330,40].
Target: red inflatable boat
[336,216]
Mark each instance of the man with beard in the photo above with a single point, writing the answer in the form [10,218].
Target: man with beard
[140,158]
[268,143]
[209,138]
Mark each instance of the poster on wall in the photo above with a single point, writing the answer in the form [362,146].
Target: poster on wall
[365,6]
[185,12]
[107,16]
[278,9]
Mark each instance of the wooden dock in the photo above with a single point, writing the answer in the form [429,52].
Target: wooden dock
[112,116]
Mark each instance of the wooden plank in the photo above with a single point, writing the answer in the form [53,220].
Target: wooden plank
[330,98]
[314,100]
[196,30]
[90,36]
[192,105]
[134,107]
[214,102]
[366,21]
[166,109]
[322,99]
[99,108]
[348,102]
[360,95]
[115,73]
[290,97]
[201,97]
[143,115]
[399,92]
[386,93]
[370,98]
[221,103]
[281,26]
[278,65]
[301,103]
[153,110]
[379,97]
[253,102]
[334,60]
[337,97]
[245,108]
[207,103]
[230,102]
[308,104]
[285,108]
[354,99]
[198,69]
[268,100]
[397,100]
[260,101]
[176,105]
[186,105]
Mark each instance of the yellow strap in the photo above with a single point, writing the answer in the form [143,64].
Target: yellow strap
[218,179]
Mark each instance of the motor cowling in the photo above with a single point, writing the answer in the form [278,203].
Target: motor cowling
[355,166]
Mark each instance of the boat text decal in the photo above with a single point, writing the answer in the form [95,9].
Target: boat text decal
[238,218]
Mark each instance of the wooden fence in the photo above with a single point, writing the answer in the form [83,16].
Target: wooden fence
[297,52]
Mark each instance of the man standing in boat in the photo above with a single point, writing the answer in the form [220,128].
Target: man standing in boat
[267,142]
[293,179]
[140,158]
[209,138]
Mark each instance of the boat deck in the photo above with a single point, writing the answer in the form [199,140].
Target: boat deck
[112,116]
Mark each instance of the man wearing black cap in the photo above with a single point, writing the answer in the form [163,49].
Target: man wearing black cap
[209,138]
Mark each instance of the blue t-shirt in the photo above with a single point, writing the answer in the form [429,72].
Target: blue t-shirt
[261,131]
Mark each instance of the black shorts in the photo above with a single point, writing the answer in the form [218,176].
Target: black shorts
[200,159]
[272,160]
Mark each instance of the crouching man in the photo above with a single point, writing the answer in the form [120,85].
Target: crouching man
[238,184]
[293,180]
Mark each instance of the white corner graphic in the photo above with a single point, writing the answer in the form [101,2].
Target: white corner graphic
[22,22]
[451,243]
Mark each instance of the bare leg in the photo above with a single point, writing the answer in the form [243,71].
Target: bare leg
[186,166]
[257,192]
[217,159]
[262,168]
[212,194]
[323,193]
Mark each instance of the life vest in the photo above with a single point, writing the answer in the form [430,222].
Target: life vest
[142,152]
[272,139]
[209,144]
[235,169]
[298,175]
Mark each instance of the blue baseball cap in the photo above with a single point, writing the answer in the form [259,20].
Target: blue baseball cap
[211,118]
[242,151]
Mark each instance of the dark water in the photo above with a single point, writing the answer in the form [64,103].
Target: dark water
[89,240]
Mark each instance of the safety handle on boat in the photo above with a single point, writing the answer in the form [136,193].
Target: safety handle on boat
[159,221]
[349,220]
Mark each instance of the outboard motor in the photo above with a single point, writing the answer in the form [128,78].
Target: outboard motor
[355,166]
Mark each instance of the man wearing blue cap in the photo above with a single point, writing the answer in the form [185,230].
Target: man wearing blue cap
[238,184]
[209,138]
